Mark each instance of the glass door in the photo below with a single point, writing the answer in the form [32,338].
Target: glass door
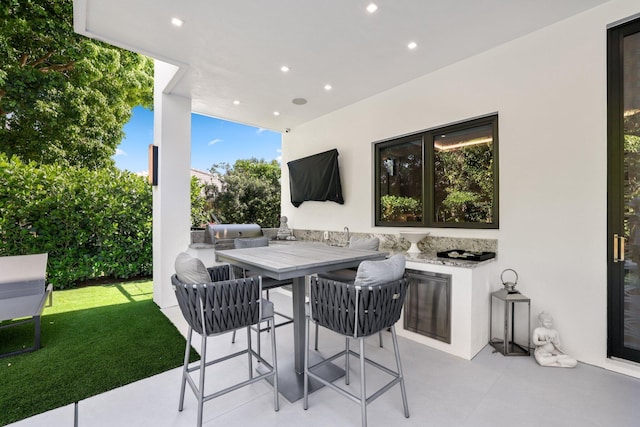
[624,191]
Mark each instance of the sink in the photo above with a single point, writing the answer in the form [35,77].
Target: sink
[413,237]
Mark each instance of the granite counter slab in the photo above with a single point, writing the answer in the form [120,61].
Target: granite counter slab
[429,257]
[432,258]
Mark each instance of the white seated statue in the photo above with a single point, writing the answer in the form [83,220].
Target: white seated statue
[547,342]
[284,233]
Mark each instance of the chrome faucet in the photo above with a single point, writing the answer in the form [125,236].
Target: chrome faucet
[346,230]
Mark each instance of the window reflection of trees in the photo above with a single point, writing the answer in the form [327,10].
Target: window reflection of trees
[401,182]
[460,178]
[464,184]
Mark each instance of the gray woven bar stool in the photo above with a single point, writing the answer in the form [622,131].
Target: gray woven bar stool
[356,311]
[217,307]
[348,275]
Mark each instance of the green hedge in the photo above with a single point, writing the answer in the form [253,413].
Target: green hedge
[93,223]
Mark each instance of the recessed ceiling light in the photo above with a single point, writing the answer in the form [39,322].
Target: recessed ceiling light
[276,113]
[236,102]
[177,22]
[372,7]
[327,87]
[412,45]
[284,68]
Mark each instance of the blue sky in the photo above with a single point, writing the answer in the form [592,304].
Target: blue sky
[212,141]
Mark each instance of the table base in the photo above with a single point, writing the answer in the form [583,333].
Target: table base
[291,383]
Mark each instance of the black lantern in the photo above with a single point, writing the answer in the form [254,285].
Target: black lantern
[510,305]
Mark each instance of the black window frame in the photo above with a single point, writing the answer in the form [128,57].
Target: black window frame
[428,175]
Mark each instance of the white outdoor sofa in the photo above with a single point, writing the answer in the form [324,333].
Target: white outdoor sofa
[23,294]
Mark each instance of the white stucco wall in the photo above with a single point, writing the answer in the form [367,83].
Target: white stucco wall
[549,89]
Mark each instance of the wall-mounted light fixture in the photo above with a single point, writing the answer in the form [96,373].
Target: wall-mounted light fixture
[153,164]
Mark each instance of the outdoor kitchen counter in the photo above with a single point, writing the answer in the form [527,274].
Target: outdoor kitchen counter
[471,285]
[423,258]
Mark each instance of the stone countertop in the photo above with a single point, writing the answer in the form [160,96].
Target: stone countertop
[423,258]
[432,258]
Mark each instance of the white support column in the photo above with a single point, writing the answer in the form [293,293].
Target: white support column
[171,199]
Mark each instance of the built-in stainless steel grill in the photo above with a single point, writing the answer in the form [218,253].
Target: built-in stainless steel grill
[222,235]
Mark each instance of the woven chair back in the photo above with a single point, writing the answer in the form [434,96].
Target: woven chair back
[220,273]
[356,311]
[219,306]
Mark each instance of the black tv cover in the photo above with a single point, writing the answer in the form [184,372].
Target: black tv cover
[315,178]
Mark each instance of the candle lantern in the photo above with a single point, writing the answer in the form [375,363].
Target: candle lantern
[509,306]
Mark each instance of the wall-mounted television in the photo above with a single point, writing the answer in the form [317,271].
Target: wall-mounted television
[315,178]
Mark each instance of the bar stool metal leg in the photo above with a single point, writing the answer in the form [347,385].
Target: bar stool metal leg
[250,356]
[276,402]
[316,346]
[363,387]
[305,402]
[346,361]
[203,365]
[184,370]
[400,374]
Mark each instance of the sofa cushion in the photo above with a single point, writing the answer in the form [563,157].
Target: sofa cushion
[371,244]
[378,272]
[191,270]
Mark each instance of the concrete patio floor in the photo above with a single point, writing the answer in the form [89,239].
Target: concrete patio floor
[442,390]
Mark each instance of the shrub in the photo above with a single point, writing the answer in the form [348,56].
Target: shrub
[396,208]
[93,223]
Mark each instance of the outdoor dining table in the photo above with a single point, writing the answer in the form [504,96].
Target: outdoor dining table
[296,261]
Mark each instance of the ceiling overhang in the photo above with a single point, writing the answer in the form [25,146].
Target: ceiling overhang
[229,53]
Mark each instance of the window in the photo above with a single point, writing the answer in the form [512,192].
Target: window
[444,177]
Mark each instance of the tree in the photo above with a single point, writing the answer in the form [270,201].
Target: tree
[464,184]
[250,192]
[198,203]
[63,97]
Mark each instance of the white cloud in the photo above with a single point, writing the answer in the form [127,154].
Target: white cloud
[215,141]
[260,130]
[279,157]
[120,152]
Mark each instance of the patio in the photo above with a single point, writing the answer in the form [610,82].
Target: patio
[443,390]
[546,77]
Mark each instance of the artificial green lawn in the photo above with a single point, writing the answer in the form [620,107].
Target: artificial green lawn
[94,339]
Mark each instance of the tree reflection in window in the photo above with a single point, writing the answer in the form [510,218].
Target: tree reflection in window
[444,177]
[463,175]
[401,182]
